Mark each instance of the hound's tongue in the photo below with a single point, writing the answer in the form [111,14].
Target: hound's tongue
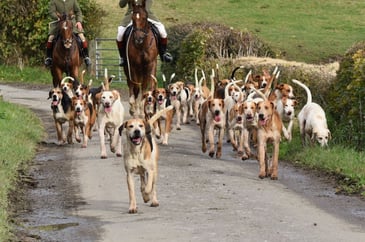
[54,103]
[160,102]
[108,109]
[217,118]
[136,140]
[262,122]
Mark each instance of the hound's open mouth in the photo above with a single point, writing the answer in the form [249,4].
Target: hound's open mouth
[263,121]
[107,108]
[136,140]
[249,118]
[217,118]
[55,103]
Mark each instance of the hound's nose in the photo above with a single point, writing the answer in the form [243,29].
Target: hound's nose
[137,132]
[261,116]
[216,112]
[239,118]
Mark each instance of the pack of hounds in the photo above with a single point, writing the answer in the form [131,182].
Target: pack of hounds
[249,113]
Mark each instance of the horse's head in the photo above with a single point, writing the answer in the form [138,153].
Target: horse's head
[140,21]
[66,30]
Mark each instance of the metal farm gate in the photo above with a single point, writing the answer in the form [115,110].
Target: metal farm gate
[107,56]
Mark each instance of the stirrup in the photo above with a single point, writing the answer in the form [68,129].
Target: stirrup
[48,62]
[167,57]
[87,61]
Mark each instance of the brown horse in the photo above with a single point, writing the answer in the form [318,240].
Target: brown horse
[141,55]
[66,54]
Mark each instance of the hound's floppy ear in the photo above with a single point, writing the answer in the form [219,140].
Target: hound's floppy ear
[49,94]
[147,128]
[148,133]
[314,135]
[273,105]
[120,129]
[329,135]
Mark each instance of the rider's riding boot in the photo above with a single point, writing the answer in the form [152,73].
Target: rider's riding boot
[85,53]
[48,61]
[121,54]
[165,56]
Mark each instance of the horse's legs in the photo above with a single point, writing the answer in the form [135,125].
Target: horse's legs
[57,77]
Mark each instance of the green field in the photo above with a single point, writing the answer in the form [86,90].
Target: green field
[309,31]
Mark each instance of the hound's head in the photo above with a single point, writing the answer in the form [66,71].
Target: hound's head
[56,96]
[289,106]
[136,130]
[216,107]
[322,136]
[160,94]
[149,98]
[249,110]
[284,90]
[108,98]
[265,111]
[78,105]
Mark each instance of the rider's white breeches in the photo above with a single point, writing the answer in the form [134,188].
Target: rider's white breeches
[159,25]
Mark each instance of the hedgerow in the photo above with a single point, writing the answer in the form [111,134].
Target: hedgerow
[24,28]
[347,97]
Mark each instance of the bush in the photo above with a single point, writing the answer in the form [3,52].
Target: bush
[347,97]
[22,39]
[198,44]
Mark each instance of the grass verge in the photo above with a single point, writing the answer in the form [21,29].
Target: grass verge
[345,165]
[20,131]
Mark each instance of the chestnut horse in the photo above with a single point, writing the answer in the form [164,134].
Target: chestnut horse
[141,56]
[66,54]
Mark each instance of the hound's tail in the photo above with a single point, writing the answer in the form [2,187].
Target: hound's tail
[159,114]
[309,94]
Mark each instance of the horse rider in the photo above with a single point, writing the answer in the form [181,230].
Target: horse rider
[165,56]
[65,7]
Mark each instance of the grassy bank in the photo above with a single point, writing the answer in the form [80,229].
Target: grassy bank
[345,165]
[20,130]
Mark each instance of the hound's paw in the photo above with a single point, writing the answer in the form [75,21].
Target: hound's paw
[155,204]
[272,177]
[262,175]
[211,154]
[83,146]
[103,156]
[244,157]
[218,155]
[119,155]
[132,210]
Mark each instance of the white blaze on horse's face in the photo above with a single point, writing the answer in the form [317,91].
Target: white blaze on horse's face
[64,26]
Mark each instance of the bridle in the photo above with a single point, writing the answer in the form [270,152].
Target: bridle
[67,42]
[140,38]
